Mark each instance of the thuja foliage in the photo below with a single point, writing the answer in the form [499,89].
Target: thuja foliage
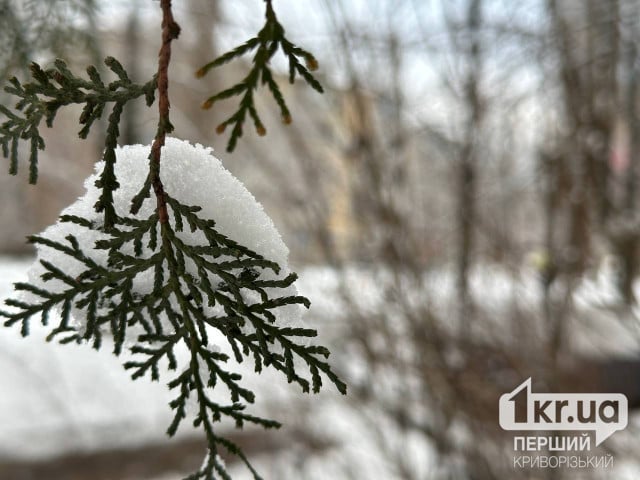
[266,44]
[57,87]
[189,279]
[203,282]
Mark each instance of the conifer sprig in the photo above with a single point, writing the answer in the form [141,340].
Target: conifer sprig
[269,39]
[148,284]
[218,287]
[57,87]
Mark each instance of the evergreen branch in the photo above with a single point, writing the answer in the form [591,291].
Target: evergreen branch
[266,43]
[192,285]
[155,290]
[57,87]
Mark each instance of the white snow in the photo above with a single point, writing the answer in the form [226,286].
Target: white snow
[193,176]
[58,398]
[61,398]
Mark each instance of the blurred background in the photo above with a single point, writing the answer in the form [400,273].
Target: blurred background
[461,205]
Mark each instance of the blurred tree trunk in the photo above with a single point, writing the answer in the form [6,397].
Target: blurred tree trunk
[466,184]
[130,133]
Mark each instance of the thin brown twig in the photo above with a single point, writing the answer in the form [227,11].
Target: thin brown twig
[170,31]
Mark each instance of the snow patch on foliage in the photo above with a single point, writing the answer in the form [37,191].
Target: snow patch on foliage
[191,175]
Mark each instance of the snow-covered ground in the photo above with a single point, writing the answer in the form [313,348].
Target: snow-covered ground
[62,398]
[55,399]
